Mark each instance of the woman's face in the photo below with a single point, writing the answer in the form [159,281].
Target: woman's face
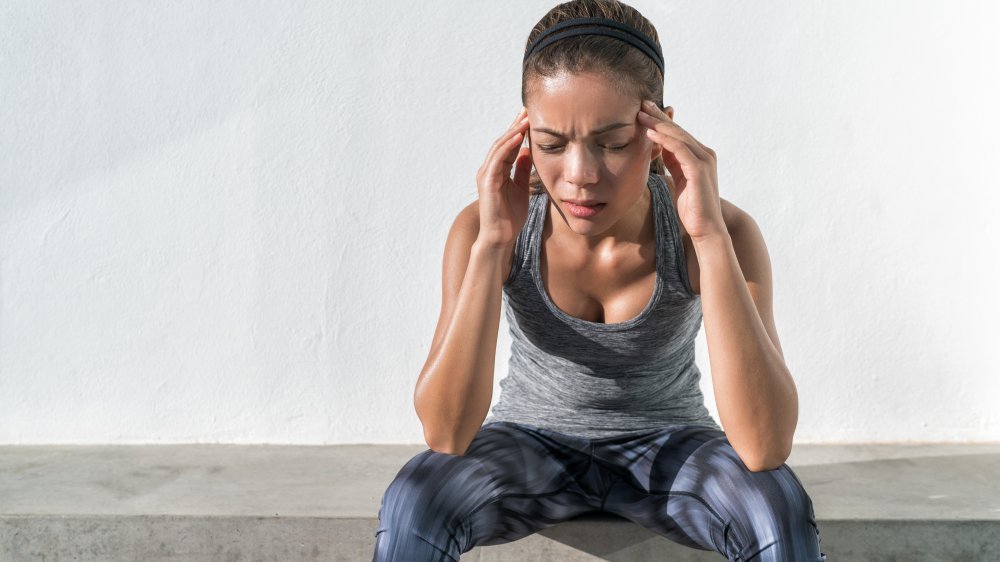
[586,144]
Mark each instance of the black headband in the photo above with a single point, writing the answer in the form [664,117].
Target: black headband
[598,26]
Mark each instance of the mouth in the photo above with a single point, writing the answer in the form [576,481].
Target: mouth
[583,211]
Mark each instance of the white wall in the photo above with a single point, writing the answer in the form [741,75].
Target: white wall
[224,222]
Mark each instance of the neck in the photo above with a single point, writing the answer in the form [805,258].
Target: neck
[636,227]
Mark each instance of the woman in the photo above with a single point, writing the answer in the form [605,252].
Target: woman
[606,266]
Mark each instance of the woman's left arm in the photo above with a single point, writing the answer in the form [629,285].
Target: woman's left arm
[754,390]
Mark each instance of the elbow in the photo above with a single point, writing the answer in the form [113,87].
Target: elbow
[775,452]
[766,456]
[445,446]
[761,463]
[441,441]
[448,451]
[763,466]
[446,434]
[433,436]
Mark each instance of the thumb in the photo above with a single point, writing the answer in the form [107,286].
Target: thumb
[522,167]
[672,165]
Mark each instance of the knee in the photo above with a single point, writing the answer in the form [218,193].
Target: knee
[775,494]
[421,481]
[424,507]
[787,497]
[767,515]
[405,507]
[780,519]
[437,487]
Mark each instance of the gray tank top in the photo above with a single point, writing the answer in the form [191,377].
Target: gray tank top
[592,379]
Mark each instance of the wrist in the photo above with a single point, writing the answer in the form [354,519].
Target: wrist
[485,246]
[714,238]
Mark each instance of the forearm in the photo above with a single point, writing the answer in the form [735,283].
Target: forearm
[456,386]
[754,391]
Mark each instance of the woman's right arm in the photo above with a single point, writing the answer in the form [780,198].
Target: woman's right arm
[455,386]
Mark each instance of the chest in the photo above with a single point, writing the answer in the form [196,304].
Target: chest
[610,290]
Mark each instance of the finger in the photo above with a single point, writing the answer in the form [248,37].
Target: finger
[503,158]
[501,141]
[668,128]
[666,117]
[517,117]
[518,126]
[673,166]
[511,147]
[679,149]
[651,110]
[522,167]
[669,161]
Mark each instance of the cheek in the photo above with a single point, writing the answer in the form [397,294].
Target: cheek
[548,169]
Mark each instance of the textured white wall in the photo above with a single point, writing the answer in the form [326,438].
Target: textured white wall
[224,222]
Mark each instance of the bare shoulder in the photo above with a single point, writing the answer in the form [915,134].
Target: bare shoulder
[468,219]
[735,217]
[748,240]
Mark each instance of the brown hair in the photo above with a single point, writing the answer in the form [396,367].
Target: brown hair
[627,67]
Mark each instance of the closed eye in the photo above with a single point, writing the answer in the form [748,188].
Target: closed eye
[554,148]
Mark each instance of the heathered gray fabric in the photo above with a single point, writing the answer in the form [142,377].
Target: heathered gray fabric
[592,379]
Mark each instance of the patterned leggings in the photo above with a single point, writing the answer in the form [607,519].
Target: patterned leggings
[683,482]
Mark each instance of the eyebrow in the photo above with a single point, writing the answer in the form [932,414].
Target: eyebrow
[596,132]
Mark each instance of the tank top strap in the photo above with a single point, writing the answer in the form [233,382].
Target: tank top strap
[525,239]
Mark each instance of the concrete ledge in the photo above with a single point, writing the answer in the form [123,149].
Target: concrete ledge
[289,503]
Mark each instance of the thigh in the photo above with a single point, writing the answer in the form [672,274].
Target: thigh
[535,478]
[688,483]
[512,481]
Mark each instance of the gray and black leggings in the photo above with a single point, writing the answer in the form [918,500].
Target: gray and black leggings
[683,482]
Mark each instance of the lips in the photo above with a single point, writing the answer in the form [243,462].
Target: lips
[584,211]
[583,202]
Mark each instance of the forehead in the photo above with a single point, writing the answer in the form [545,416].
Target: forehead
[576,104]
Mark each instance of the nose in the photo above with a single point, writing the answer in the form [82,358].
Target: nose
[580,165]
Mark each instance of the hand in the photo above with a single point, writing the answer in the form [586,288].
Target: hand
[503,202]
[692,166]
